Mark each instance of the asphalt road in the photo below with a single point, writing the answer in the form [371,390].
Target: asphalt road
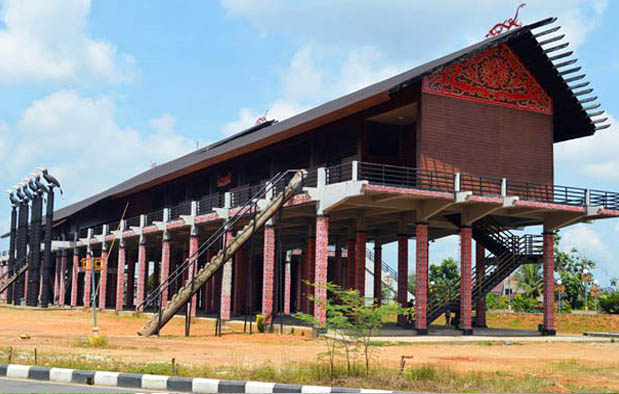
[33,386]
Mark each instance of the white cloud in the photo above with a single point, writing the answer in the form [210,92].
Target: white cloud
[86,149]
[593,157]
[47,41]
[585,240]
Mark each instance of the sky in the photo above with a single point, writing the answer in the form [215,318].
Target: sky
[100,90]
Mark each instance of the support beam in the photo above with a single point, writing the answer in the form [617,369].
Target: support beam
[378,272]
[556,220]
[421,278]
[360,259]
[321,268]
[142,271]
[103,277]
[120,276]
[429,208]
[480,257]
[466,303]
[403,277]
[268,273]
[549,283]
[74,274]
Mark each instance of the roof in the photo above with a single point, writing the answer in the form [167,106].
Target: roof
[570,117]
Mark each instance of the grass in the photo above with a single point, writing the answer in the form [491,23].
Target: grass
[426,377]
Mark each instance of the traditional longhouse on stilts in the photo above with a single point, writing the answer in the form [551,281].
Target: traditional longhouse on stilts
[462,145]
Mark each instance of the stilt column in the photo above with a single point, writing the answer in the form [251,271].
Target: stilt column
[421,278]
[287,286]
[339,266]
[360,251]
[141,271]
[74,274]
[165,267]
[466,303]
[549,284]
[268,272]
[350,264]
[62,286]
[402,276]
[378,272]
[320,270]
[480,256]
[193,255]
[120,276]
[103,277]
[226,283]
[88,281]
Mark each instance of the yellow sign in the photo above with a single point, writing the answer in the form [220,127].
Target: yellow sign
[97,262]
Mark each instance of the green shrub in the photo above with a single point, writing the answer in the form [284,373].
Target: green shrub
[525,304]
[609,302]
[260,323]
[496,301]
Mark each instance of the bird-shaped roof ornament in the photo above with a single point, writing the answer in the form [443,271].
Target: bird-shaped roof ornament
[13,198]
[37,181]
[51,181]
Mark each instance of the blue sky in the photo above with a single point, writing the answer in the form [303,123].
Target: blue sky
[99,90]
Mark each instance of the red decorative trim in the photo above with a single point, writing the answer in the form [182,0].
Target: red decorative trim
[495,76]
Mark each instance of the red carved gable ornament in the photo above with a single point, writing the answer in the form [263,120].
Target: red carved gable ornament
[495,76]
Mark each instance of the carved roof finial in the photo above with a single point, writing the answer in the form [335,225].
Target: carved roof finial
[506,24]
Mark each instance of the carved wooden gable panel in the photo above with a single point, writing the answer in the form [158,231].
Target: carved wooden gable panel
[495,76]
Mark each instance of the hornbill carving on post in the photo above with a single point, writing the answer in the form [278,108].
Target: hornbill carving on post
[15,202]
[52,182]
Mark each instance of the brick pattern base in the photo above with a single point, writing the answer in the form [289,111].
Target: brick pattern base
[74,273]
[549,284]
[421,277]
[402,276]
[378,273]
[321,268]
[103,280]
[165,270]
[56,297]
[130,294]
[466,304]
[120,279]
[360,250]
[350,264]
[193,249]
[225,301]
[287,288]
[480,255]
[141,274]
[62,285]
[87,287]
[268,273]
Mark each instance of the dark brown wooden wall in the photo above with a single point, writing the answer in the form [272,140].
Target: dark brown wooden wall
[484,139]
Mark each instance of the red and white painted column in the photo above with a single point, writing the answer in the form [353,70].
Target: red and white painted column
[74,273]
[350,264]
[480,258]
[321,269]
[360,251]
[466,280]
[421,278]
[225,304]
[287,286]
[120,276]
[403,276]
[310,273]
[268,273]
[549,283]
[300,285]
[142,271]
[56,295]
[87,282]
[378,272]
[240,280]
[130,296]
[193,255]
[62,285]
[103,277]
[165,267]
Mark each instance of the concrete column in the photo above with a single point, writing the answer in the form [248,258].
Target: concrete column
[300,285]
[193,251]
[339,266]
[549,284]
[360,251]
[62,286]
[378,272]
[74,274]
[480,254]
[309,273]
[421,278]
[120,276]
[240,281]
[165,268]
[402,276]
[56,297]
[350,264]
[226,284]
[130,296]
[466,303]
[103,278]
[287,287]
[87,283]
[320,269]
[142,271]
[268,273]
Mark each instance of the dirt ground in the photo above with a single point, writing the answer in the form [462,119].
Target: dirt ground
[59,332]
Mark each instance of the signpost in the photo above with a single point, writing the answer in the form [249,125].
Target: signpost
[93,264]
